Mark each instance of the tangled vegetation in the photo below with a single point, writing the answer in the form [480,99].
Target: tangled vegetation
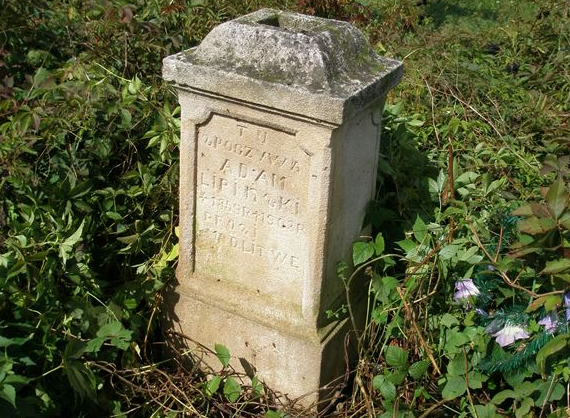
[467,273]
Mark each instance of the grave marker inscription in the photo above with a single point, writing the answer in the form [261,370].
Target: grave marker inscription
[280,130]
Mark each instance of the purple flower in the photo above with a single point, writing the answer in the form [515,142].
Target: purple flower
[509,334]
[549,322]
[464,289]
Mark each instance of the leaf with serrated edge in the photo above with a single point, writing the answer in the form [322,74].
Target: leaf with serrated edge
[396,357]
[362,252]
[454,388]
[418,369]
[386,388]
[232,389]
[223,354]
[212,385]
[379,244]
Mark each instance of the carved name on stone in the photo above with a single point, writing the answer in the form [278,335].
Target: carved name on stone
[250,208]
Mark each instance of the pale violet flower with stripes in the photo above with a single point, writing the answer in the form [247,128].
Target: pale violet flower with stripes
[509,334]
[549,322]
[464,289]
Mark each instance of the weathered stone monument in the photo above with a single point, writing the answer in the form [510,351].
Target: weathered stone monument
[279,145]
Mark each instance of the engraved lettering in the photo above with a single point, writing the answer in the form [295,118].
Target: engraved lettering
[226,166]
[261,136]
[252,194]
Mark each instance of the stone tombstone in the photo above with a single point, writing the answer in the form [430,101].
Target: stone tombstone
[280,130]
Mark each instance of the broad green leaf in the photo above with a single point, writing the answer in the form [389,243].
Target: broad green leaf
[81,379]
[113,215]
[455,340]
[418,369]
[212,385]
[362,252]
[119,336]
[407,245]
[223,354]
[524,408]
[398,377]
[533,225]
[467,177]
[500,397]
[454,387]
[232,389]
[379,244]
[557,198]
[449,251]
[554,394]
[385,387]
[109,329]
[420,229]
[524,210]
[8,393]
[470,255]
[526,388]
[556,266]
[476,379]
[448,320]
[415,122]
[122,341]
[552,302]
[538,209]
[74,349]
[456,367]
[152,141]
[495,185]
[396,357]
[485,411]
[129,239]
[384,286]
[95,344]
[6,342]
[563,276]
[556,344]
[518,253]
[273,414]
[17,379]
[41,75]
[126,118]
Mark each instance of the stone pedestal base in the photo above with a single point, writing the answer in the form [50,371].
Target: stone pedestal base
[303,364]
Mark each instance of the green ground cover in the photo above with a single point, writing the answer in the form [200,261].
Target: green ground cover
[467,271]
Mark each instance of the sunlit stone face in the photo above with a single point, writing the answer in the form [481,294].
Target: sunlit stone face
[251,199]
[280,136]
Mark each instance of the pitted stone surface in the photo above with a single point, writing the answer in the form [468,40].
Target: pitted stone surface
[318,68]
[291,49]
